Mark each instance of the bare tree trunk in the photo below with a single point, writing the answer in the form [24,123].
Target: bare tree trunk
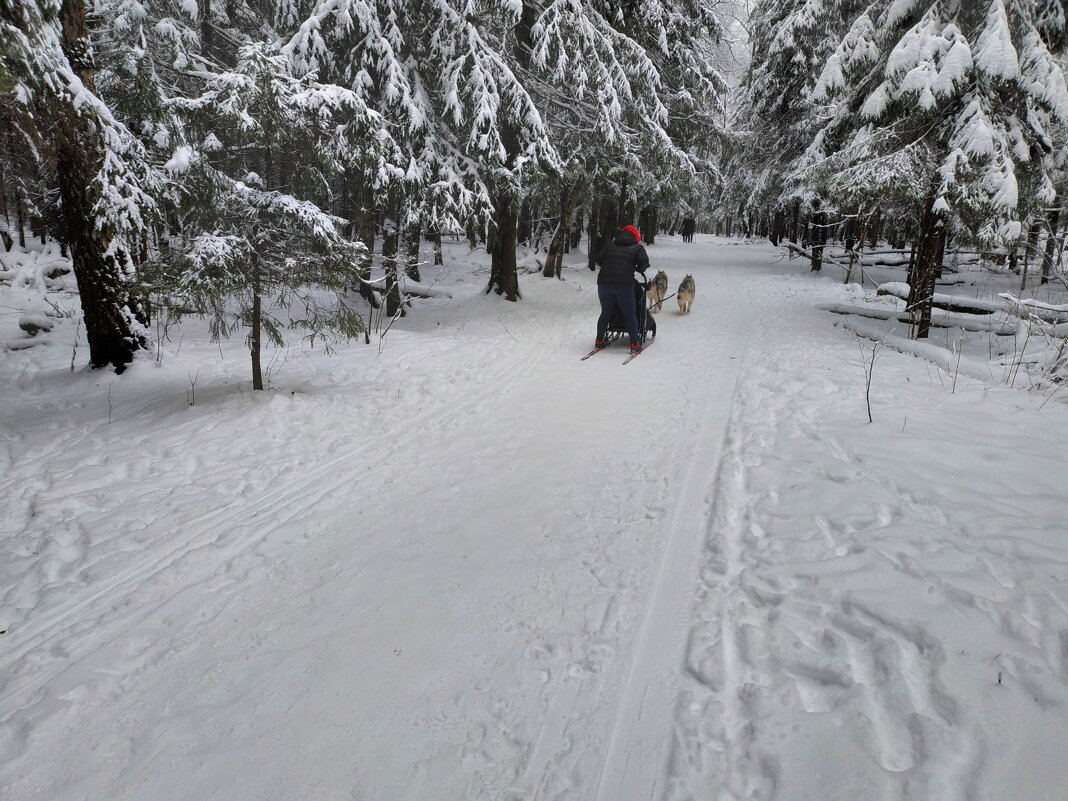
[503,272]
[207,32]
[940,257]
[778,226]
[3,198]
[818,236]
[255,339]
[20,217]
[523,225]
[439,259]
[411,261]
[365,231]
[554,259]
[575,235]
[504,278]
[390,246]
[1051,242]
[647,224]
[606,227]
[106,304]
[922,282]
[593,234]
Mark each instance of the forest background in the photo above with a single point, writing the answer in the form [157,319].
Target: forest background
[253,161]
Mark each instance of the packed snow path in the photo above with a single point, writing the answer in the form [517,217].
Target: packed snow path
[476,567]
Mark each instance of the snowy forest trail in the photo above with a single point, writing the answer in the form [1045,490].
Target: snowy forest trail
[473,566]
[638,748]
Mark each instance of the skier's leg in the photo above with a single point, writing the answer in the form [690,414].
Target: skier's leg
[608,302]
[629,307]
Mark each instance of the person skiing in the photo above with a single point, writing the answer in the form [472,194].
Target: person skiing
[615,283]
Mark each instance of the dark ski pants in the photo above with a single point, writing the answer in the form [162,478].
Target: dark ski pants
[622,295]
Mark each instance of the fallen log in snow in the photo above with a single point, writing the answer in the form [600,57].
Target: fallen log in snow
[900,290]
[967,323]
[947,360]
[410,288]
[1029,307]
[1009,304]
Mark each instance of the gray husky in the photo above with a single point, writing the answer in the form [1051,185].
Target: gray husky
[687,290]
[657,291]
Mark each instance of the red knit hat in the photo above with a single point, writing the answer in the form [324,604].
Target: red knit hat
[633,230]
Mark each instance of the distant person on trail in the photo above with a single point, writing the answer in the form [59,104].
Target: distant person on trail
[615,282]
[689,225]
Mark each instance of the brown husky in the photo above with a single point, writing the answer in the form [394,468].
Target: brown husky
[657,291]
[687,290]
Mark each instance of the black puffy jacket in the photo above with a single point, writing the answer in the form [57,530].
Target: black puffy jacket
[620,260]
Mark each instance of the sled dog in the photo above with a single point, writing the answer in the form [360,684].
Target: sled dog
[687,290]
[657,291]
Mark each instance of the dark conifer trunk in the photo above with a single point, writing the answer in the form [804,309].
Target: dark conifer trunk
[20,219]
[504,278]
[439,259]
[106,305]
[778,226]
[390,247]
[3,199]
[554,259]
[602,232]
[593,234]
[1032,242]
[923,276]
[1051,242]
[818,236]
[411,262]
[255,339]
[647,224]
[622,217]
[576,232]
[524,226]
[364,223]
[503,271]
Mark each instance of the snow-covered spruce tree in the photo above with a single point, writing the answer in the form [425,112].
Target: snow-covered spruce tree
[961,94]
[628,92]
[256,252]
[147,50]
[483,49]
[101,175]
[408,166]
[776,118]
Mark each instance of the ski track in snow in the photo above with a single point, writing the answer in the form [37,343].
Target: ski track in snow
[690,579]
[637,751]
[214,550]
[787,617]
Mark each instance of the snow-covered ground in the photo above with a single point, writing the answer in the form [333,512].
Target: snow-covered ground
[460,563]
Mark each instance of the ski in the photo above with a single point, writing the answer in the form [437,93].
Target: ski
[595,350]
[645,347]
